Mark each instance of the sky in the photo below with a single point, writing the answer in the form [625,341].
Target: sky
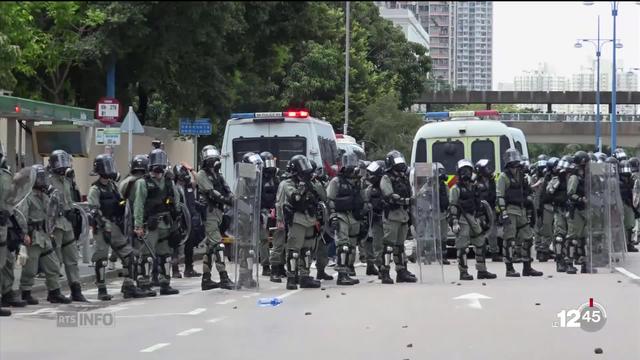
[528,33]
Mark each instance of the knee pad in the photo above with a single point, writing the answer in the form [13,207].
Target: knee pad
[219,253]
[480,254]
[343,255]
[165,265]
[251,258]
[292,261]
[100,267]
[387,255]
[557,245]
[306,257]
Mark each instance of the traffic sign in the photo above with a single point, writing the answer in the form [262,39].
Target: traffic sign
[108,110]
[197,127]
[132,118]
[107,136]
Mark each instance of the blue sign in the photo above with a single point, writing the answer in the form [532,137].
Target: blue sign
[197,127]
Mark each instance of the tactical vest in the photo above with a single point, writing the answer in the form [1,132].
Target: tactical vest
[468,199]
[158,201]
[401,186]
[110,201]
[487,191]
[560,197]
[626,192]
[376,199]
[443,194]
[269,192]
[348,197]
[307,202]
[515,193]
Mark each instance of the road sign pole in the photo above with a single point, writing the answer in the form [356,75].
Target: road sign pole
[130,135]
[195,152]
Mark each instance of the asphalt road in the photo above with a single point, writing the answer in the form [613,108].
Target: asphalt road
[505,318]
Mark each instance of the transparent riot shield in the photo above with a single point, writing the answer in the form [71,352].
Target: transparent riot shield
[605,243]
[21,186]
[426,223]
[54,208]
[245,224]
[183,222]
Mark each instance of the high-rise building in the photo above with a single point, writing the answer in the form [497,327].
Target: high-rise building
[407,22]
[541,79]
[474,45]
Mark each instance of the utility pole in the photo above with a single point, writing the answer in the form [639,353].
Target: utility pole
[346,71]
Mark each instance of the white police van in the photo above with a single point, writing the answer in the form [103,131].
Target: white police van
[349,145]
[284,134]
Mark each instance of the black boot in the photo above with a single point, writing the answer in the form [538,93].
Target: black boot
[570,268]
[132,291]
[175,271]
[631,247]
[55,297]
[560,266]
[464,275]
[542,256]
[351,270]
[276,274]
[207,283]
[5,312]
[445,261]
[404,275]
[246,280]
[527,270]
[307,282]
[154,280]
[76,293]
[225,282]
[322,275]
[266,270]
[511,272]
[166,289]
[189,272]
[371,269]
[102,294]
[10,299]
[586,269]
[26,296]
[344,279]
[291,283]
[484,274]
[384,276]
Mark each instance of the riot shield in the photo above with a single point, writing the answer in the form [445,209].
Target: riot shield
[183,222]
[245,224]
[21,186]
[426,223]
[605,243]
[54,207]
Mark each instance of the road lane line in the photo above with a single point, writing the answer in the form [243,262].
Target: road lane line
[197,311]
[155,347]
[189,332]
[250,295]
[226,302]
[215,320]
[288,293]
[628,273]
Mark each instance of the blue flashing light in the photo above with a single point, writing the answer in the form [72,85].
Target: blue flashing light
[436,114]
[243,115]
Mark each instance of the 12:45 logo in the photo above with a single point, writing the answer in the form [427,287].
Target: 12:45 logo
[590,316]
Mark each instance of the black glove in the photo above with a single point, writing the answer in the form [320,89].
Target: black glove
[334,223]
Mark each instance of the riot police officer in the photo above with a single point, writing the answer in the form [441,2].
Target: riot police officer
[154,212]
[513,199]
[63,235]
[577,221]
[619,154]
[296,206]
[322,237]
[345,200]
[486,189]
[556,193]
[185,182]
[40,247]
[396,191]
[373,196]
[214,191]
[269,191]
[543,209]
[634,162]
[464,209]
[107,210]
[443,201]
[626,192]
[277,258]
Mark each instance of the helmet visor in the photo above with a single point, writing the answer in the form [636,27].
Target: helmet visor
[158,158]
[108,166]
[61,160]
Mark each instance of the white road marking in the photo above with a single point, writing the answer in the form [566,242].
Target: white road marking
[197,311]
[226,302]
[189,332]
[288,293]
[113,308]
[154,347]
[41,311]
[250,295]
[474,299]
[215,320]
[628,273]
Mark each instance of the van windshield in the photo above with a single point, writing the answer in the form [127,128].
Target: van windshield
[282,148]
[448,153]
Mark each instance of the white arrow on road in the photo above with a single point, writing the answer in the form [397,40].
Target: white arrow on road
[474,299]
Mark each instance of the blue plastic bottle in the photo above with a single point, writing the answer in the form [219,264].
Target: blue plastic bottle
[266,302]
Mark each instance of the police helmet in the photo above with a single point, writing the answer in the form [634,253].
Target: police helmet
[612,160]
[464,169]
[299,165]
[512,158]
[620,154]
[580,158]
[600,156]
[376,168]
[59,161]
[158,161]
[252,158]
[634,162]
[181,173]
[565,163]
[395,161]
[551,163]
[140,163]
[482,167]
[268,159]
[210,157]
[104,166]
[625,168]
[42,178]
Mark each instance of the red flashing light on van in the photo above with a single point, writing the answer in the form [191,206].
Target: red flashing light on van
[298,114]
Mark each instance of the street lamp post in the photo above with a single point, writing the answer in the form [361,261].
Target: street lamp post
[598,43]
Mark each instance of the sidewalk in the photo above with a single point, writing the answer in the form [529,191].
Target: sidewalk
[87,273]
